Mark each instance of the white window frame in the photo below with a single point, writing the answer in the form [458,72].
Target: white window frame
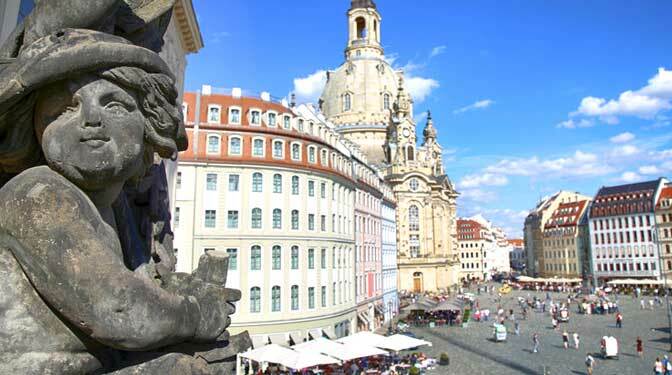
[219,119]
[347,104]
[263,147]
[282,150]
[207,144]
[289,123]
[231,138]
[324,157]
[240,114]
[291,151]
[314,150]
[249,116]
[268,119]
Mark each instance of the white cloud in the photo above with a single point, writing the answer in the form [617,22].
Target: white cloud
[649,169]
[647,102]
[308,89]
[625,150]
[660,85]
[420,87]
[571,124]
[622,138]
[486,179]
[437,51]
[485,103]
[580,164]
[629,177]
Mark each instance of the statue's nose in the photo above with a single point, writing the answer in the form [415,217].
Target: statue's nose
[91,116]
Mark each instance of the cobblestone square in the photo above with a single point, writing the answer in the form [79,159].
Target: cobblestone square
[472,350]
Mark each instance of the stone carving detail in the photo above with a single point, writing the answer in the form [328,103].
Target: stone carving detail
[87,111]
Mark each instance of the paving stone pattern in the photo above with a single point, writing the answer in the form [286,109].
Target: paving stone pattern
[472,351]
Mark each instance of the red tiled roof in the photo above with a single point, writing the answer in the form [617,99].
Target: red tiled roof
[665,193]
[566,215]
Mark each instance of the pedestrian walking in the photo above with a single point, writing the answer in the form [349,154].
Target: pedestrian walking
[554,322]
[590,362]
[517,328]
[651,304]
[666,365]
[640,347]
[658,367]
[619,320]
[535,342]
[565,339]
[575,336]
[641,304]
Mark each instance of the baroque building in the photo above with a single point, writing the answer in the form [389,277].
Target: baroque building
[366,100]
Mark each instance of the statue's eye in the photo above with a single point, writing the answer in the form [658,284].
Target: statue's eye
[116,106]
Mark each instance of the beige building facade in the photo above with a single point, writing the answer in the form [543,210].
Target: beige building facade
[565,244]
[365,98]
[533,231]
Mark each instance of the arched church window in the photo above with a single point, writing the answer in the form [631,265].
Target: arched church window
[347,102]
[386,101]
[410,155]
[413,218]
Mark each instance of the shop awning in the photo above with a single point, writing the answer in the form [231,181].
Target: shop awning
[338,350]
[364,317]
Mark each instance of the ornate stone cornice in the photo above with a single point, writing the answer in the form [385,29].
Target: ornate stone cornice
[187,24]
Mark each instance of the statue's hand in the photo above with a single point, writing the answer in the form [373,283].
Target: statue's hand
[215,303]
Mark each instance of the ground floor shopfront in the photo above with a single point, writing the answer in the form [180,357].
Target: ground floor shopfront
[370,314]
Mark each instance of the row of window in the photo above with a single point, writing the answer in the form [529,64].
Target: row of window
[560,242]
[236,143]
[347,99]
[256,220]
[560,254]
[469,255]
[234,118]
[622,222]
[623,237]
[666,217]
[340,258]
[340,293]
[258,185]
[560,267]
[473,266]
[623,252]
[626,267]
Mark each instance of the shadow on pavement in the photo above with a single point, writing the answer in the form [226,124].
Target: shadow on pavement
[470,348]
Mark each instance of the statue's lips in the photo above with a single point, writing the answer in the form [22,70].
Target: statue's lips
[95,142]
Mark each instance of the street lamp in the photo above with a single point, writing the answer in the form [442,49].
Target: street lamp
[660,268]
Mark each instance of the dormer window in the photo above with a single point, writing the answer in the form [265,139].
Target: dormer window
[214,114]
[300,125]
[255,118]
[271,119]
[286,122]
[234,116]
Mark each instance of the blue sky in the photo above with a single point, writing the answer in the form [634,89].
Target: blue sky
[528,97]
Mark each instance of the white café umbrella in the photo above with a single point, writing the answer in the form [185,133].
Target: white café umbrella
[402,342]
[338,350]
[364,338]
[275,353]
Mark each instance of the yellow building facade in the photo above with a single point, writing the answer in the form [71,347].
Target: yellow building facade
[366,99]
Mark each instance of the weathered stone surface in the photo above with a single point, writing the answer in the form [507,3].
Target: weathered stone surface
[86,254]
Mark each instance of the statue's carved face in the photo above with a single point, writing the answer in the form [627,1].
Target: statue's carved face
[91,131]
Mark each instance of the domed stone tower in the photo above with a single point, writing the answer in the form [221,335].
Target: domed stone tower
[360,94]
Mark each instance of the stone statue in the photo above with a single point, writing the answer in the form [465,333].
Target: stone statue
[87,108]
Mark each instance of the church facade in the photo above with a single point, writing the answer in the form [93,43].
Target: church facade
[366,99]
